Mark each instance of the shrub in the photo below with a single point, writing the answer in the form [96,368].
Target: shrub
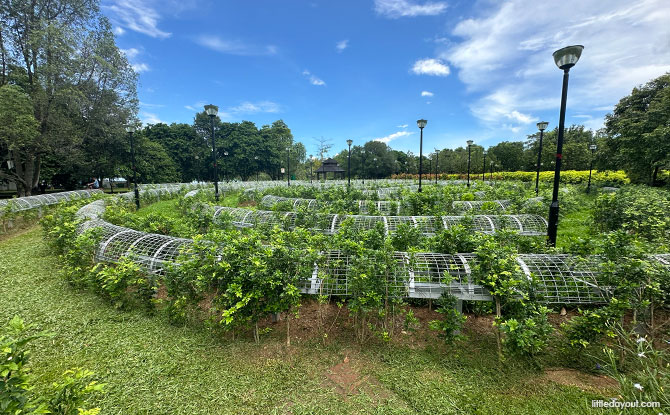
[527,335]
[450,326]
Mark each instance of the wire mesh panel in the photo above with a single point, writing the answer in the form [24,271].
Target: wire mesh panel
[663,259]
[464,205]
[558,279]
[564,279]
[32,202]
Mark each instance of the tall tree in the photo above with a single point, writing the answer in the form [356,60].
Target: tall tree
[62,54]
[639,130]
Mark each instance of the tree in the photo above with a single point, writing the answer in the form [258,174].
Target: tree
[323,146]
[639,130]
[82,89]
[19,135]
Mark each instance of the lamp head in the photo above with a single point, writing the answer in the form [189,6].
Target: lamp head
[486,152]
[470,142]
[349,142]
[542,125]
[225,153]
[211,110]
[568,56]
[593,147]
[130,129]
[421,123]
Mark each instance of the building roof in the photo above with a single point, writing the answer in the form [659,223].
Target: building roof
[330,165]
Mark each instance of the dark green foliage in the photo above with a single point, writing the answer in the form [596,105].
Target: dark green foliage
[639,210]
[449,328]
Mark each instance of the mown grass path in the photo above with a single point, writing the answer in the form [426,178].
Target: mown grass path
[153,367]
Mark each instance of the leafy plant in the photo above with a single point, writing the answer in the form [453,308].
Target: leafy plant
[450,326]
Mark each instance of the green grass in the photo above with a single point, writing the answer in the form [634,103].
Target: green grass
[152,367]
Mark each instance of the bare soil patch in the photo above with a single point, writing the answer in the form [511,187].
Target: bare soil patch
[584,381]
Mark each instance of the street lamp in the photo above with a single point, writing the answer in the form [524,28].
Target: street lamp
[469,146]
[484,169]
[257,169]
[542,125]
[288,166]
[131,129]
[421,124]
[364,167]
[376,172]
[437,164]
[592,147]
[491,171]
[565,59]
[349,142]
[212,110]
[225,156]
[311,164]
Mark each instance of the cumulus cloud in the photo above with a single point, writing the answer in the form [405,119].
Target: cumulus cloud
[430,66]
[251,107]
[342,45]
[313,79]
[393,136]
[140,67]
[137,16]
[426,94]
[405,8]
[150,118]
[234,46]
[505,57]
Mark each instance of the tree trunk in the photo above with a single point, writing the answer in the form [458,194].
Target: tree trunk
[288,328]
[654,176]
[498,315]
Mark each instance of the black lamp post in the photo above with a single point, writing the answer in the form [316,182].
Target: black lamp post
[592,147]
[542,125]
[225,170]
[421,124]
[437,164]
[375,170]
[131,129]
[349,142]
[484,169]
[311,164]
[364,167]
[257,169]
[212,110]
[469,146]
[288,166]
[565,59]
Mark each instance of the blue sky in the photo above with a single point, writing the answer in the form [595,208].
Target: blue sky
[368,69]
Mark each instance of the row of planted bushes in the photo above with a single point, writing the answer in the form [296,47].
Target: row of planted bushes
[602,178]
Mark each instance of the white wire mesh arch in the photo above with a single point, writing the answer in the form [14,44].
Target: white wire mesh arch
[465,205]
[526,225]
[33,202]
[559,279]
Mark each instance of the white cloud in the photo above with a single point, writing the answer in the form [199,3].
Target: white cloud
[393,136]
[250,107]
[140,67]
[506,55]
[131,52]
[150,118]
[403,126]
[426,94]
[118,30]
[342,45]
[314,80]
[407,8]
[234,46]
[430,67]
[148,105]
[137,16]
[245,107]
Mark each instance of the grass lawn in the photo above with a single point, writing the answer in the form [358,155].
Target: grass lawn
[153,367]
